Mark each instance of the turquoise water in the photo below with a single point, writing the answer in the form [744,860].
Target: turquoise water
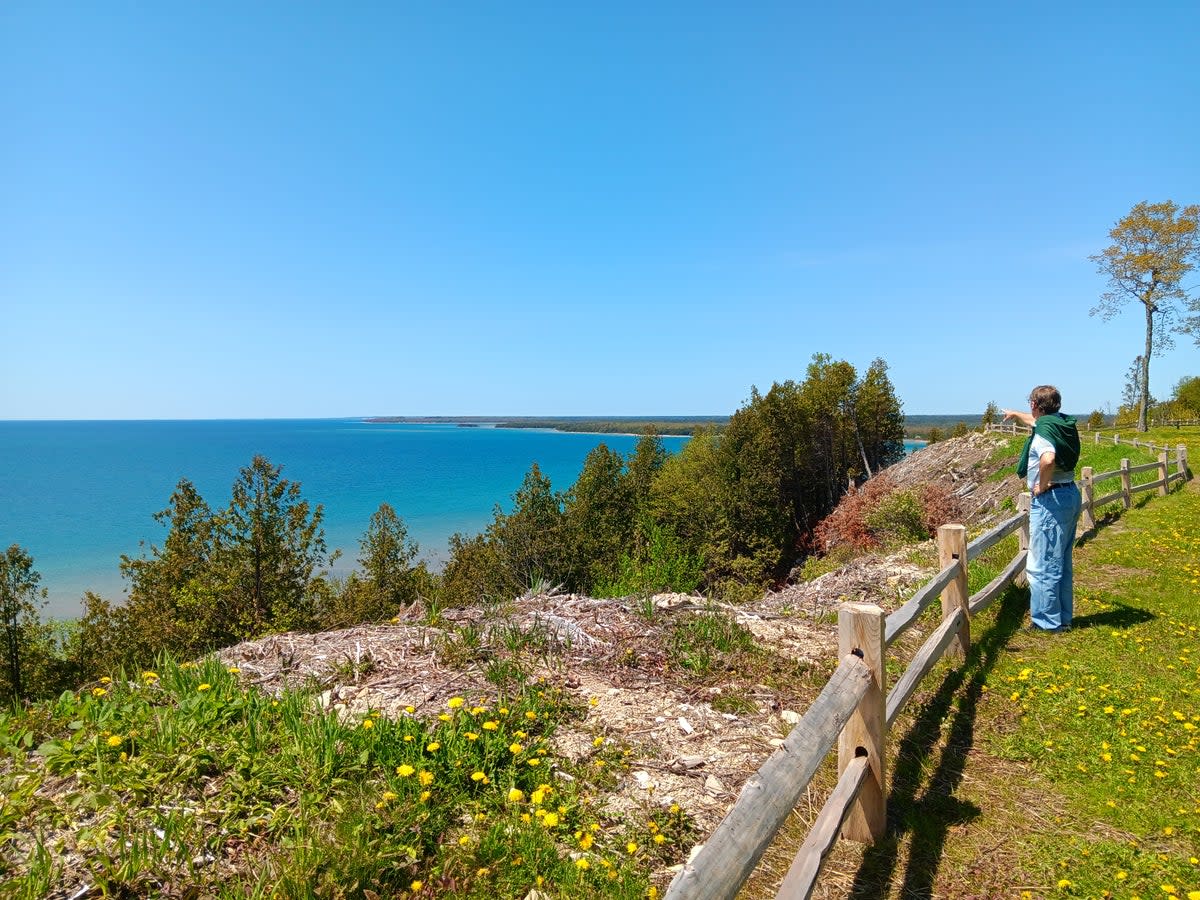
[77,495]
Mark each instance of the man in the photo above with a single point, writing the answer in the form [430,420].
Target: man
[1048,463]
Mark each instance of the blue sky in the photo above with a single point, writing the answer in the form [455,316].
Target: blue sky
[216,209]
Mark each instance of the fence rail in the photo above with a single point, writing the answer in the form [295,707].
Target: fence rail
[855,710]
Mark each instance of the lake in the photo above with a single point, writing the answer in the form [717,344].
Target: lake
[77,495]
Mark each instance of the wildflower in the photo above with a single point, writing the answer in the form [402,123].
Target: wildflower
[651,893]
[114,741]
[515,748]
[478,710]
[471,736]
[1063,884]
[410,709]
[233,670]
[150,676]
[425,777]
[490,725]
[425,795]
[582,863]
[631,847]
[537,797]
[368,724]
[433,746]
[455,702]
[417,885]
[550,820]
[585,840]
[98,692]
[408,738]
[464,841]
[1121,876]
[593,701]
[389,796]
[404,770]
[598,742]
[660,839]
[204,687]
[533,762]
[531,715]
[443,717]
[480,777]
[106,680]
[516,795]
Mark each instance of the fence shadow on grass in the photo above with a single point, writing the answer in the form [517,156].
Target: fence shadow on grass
[922,803]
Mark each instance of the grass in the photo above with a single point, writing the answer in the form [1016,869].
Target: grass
[182,782]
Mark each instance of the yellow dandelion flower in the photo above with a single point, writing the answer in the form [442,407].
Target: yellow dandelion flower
[114,741]
[98,692]
[478,710]
[531,715]
[464,841]
[408,738]
[106,680]
[204,687]
[425,795]
[425,777]
[1063,884]
[410,709]
[516,795]
[490,725]
[1121,876]
[233,670]
[660,838]
[471,735]
[631,847]
[150,676]
[368,724]
[479,776]
[443,717]
[586,840]
[455,702]
[404,770]
[433,746]
[598,742]
[537,797]
[515,748]
[417,885]
[550,820]
[593,701]
[582,863]
[534,761]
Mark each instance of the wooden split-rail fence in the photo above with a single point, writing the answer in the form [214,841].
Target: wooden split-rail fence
[856,709]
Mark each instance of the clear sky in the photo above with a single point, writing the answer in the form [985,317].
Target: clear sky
[220,209]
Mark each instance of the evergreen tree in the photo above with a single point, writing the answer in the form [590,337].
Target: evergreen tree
[20,598]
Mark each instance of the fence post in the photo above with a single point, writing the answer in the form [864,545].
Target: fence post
[1181,461]
[1116,439]
[1085,483]
[1162,474]
[861,630]
[1097,437]
[1126,484]
[952,545]
[1024,501]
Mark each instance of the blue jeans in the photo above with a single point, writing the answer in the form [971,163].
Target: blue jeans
[1053,516]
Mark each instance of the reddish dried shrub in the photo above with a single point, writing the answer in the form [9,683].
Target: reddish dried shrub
[863,520]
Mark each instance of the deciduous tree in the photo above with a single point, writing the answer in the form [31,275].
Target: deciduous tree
[1152,250]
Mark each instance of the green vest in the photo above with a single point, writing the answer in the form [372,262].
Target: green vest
[1059,430]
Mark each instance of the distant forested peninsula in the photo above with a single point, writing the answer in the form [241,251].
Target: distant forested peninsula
[916,426]
[663,425]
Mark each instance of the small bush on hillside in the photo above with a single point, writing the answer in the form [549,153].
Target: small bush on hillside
[881,514]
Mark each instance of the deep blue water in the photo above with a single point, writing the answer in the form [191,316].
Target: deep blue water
[77,495]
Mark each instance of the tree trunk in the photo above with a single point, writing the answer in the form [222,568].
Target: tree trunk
[1143,407]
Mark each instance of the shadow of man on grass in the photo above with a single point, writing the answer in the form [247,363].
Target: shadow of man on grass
[922,803]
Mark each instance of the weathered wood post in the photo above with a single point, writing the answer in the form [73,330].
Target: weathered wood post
[1162,474]
[1126,484]
[860,631]
[1088,489]
[1024,501]
[1181,461]
[1097,437]
[1116,439]
[952,545]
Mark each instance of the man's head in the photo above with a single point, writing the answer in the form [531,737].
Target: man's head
[1045,399]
